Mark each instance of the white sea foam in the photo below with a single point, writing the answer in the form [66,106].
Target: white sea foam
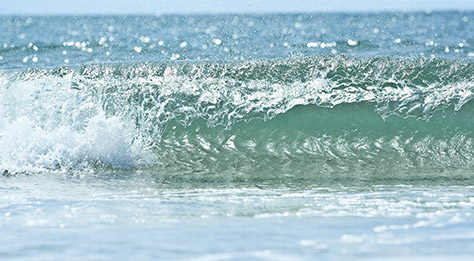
[49,128]
[25,146]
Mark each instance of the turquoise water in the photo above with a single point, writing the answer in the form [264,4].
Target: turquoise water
[237,137]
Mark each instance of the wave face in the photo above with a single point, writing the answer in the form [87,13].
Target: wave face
[305,116]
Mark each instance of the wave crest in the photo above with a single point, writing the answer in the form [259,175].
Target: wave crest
[118,115]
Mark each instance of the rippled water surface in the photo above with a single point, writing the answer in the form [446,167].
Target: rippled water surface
[237,137]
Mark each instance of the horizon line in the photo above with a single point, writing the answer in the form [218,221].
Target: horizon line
[354,11]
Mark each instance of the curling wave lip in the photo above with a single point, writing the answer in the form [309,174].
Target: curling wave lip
[313,114]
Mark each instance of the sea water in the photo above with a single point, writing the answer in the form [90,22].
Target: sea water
[237,137]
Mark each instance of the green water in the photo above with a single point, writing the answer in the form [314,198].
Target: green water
[237,137]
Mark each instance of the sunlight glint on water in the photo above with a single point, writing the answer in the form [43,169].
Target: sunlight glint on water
[242,137]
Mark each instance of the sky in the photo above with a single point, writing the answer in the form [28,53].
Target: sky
[222,6]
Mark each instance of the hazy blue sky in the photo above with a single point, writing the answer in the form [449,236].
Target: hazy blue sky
[220,6]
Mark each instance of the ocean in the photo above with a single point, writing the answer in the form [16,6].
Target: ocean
[326,136]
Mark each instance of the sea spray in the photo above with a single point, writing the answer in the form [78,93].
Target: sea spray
[314,114]
[324,136]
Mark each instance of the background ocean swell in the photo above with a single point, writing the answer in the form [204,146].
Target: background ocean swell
[117,39]
[324,115]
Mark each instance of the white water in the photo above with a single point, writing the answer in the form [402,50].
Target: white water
[50,217]
[48,126]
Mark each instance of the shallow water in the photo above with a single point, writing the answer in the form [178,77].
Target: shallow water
[130,216]
[237,137]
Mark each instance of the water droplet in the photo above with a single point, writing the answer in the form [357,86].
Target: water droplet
[145,39]
[352,42]
[137,49]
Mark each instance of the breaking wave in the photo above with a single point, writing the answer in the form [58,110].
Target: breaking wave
[305,115]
